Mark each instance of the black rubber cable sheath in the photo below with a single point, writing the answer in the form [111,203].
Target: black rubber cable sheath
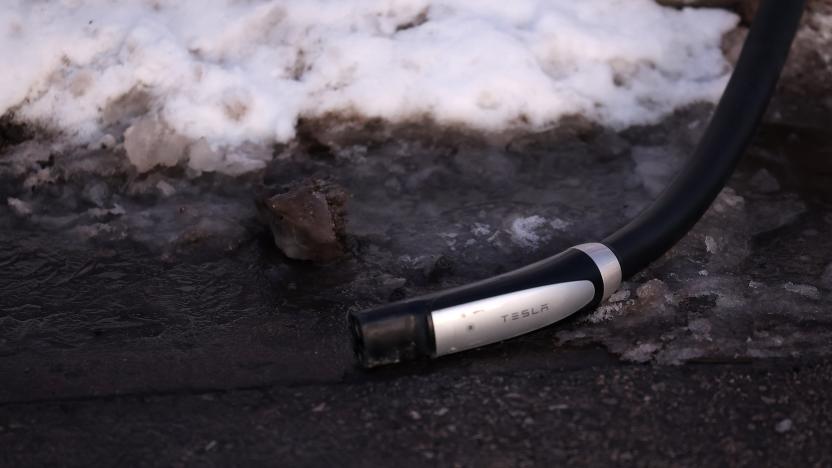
[405,329]
[685,200]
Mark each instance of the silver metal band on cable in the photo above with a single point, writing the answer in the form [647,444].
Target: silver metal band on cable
[607,264]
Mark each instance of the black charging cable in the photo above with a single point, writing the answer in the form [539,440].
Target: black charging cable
[581,277]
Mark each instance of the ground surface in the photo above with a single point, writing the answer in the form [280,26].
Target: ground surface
[148,319]
[201,344]
[576,410]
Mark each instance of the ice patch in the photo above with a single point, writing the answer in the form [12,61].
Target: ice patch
[802,289]
[641,353]
[480,229]
[711,245]
[530,231]
[620,296]
[603,313]
[224,73]
[559,224]
[19,207]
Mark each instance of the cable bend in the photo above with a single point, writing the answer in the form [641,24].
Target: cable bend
[581,277]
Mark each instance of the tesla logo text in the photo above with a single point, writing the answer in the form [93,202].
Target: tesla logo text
[526,313]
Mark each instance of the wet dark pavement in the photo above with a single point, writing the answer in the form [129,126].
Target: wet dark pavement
[770,413]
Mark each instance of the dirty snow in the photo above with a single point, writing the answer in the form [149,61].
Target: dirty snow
[201,81]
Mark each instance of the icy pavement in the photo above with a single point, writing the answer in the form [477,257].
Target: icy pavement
[105,271]
[109,261]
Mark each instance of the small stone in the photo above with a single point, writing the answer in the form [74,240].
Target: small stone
[441,411]
[783,426]
[414,415]
[307,221]
[319,407]
[210,445]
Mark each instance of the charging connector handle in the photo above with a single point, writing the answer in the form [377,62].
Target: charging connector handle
[487,311]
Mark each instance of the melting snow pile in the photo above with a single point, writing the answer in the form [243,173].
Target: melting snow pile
[207,81]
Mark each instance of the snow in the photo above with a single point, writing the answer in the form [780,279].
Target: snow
[215,75]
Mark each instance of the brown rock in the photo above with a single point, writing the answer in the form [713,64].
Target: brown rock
[307,220]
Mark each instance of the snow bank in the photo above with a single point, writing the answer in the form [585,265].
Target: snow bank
[212,76]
